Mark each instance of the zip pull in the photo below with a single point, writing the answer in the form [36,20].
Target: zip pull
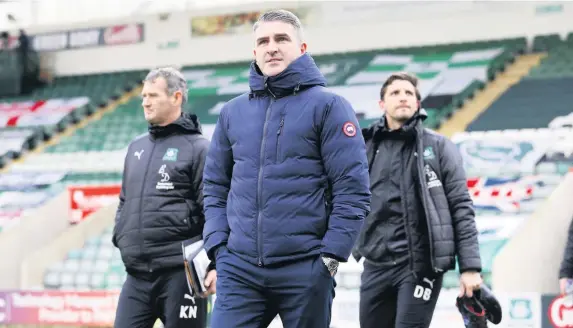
[280,130]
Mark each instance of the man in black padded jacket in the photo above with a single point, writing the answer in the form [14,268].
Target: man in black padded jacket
[421,215]
[161,204]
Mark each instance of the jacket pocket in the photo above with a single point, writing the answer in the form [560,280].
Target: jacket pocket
[279,133]
[118,226]
[188,217]
[193,218]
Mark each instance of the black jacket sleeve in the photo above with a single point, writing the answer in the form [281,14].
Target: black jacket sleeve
[200,148]
[461,207]
[566,270]
[121,201]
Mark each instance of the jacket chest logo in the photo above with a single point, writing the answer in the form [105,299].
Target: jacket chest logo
[164,183]
[171,155]
[431,177]
[138,154]
[429,153]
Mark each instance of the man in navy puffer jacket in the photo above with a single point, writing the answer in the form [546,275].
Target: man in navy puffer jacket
[286,188]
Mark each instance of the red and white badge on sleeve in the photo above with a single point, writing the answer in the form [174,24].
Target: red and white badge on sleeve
[349,129]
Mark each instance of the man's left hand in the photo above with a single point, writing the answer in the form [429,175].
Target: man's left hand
[469,281]
[211,283]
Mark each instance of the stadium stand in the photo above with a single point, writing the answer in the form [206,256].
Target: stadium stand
[29,120]
[449,74]
[33,122]
[96,266]
[540,97]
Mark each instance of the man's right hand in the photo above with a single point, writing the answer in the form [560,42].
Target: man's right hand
[563,285]
[211,283]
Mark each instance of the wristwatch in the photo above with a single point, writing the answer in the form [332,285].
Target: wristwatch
[331,264]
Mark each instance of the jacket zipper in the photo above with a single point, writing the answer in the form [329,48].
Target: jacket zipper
[374,151]
[279,131]
[406,217]
[141,207]
[260,188]
[424,196]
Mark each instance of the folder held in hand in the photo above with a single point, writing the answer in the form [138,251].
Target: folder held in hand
[196,262]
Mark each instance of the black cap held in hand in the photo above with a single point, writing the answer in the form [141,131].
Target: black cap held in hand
[492,307]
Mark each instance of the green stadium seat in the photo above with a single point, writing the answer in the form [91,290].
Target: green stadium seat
[87,265]
[542,43]
[114,280]
[89,252]
[97,281]
[75,254]
[94,241]
[81,280]
[67,280]
[531,103]
[101,265]
[106,253]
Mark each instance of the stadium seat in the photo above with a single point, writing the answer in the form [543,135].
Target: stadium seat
[559,63]
[532,103]
[95,266]
[543,43]
[539,97]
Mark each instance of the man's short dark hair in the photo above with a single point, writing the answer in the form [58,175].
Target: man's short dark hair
[403,76]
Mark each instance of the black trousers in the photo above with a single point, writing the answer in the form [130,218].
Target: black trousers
[162,296]
[394,298]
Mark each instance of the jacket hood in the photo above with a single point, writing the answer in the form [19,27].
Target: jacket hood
[187,123]
[380,126]
[301,74]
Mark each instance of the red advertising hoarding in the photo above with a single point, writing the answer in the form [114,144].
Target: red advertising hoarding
[85,200]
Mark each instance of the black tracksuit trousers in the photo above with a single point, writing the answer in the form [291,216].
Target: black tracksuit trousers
[392,297]
[163,296]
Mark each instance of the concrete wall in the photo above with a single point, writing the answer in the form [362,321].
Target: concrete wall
[33,233]
[530,260]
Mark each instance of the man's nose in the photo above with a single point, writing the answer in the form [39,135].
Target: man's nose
[272,47]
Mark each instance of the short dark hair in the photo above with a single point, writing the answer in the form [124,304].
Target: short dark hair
[403,76]
[281,15]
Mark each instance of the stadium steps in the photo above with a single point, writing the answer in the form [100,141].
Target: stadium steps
[492,91]
[71,128]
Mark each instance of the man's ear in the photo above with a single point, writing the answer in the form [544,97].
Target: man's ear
[303,47]
[178,97]
[381,104]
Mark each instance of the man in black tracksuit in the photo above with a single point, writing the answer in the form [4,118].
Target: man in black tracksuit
[421,215]
[161,204]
